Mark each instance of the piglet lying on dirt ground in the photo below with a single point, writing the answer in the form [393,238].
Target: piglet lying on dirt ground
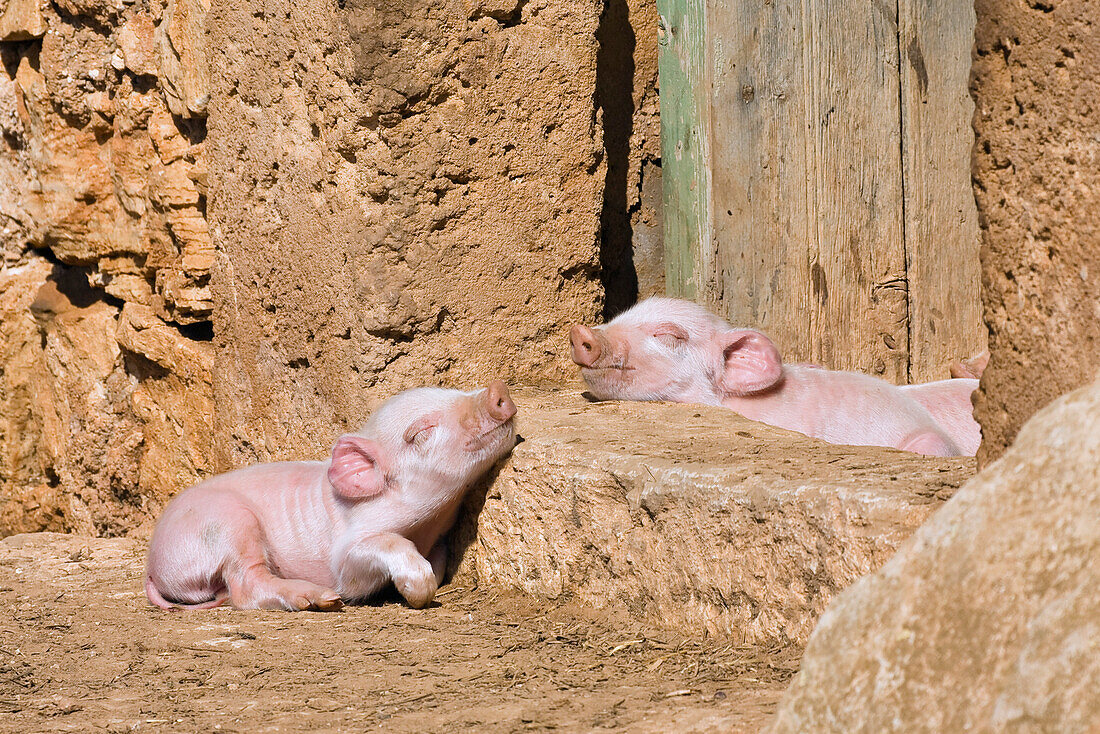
[312,534]
[666,349]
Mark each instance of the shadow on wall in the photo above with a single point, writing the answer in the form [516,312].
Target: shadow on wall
[615,99]
[462,536]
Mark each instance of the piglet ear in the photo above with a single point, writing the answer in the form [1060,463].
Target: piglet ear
[750,362]
[357,469]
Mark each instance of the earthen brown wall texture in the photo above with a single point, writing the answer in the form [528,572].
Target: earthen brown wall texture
[412,193]
[105,359]
[403,194]
[1037,183]
[398,194]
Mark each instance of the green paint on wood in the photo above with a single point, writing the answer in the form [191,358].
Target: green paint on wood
[681,62]
[794,133]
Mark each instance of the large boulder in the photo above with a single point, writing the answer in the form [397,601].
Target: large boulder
[694,517]
[989,619]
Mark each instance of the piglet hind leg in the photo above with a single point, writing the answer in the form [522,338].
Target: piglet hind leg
[367,563]
[929,443]
[252,585]
[257,588]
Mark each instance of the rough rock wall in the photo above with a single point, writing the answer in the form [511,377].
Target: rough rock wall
[1037,182]
[690,516]
[105,385]
[106,166]
[414,194]
[401,194]
[988,619]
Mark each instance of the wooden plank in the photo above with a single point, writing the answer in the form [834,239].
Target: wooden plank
[941,222]
[685,160]
[816,166]
[807,179]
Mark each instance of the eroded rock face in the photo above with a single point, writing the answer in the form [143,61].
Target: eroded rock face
[105,370]
[99,172]
[989,618]
[103,416]
[403,194]
[1037,183]
[21,20]
[694,517]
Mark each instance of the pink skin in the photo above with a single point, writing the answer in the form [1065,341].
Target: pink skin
[948,401]
[312,534]
[667,349]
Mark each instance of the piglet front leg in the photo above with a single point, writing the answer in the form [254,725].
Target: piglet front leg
[366,564]
[437,556]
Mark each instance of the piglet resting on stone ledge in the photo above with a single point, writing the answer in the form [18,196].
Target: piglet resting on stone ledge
[668,349]
[313,534]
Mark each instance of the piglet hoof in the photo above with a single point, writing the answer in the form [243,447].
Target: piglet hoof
[418,588]
[317,599]
[328,601]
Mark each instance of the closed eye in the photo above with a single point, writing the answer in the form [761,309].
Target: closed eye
[671,335]
[418,433]
[668,340]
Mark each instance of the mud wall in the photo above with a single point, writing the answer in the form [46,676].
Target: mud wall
[402,195]
[399,195]
[1037,182]
[411,194]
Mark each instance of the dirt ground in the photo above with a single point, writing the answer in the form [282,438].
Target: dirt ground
[81,650]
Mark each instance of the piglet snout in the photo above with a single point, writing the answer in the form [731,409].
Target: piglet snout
[498,402]
[585,346]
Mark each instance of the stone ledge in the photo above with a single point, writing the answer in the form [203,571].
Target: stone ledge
[693,517]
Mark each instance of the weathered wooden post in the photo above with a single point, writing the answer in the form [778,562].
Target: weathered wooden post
[816,159]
